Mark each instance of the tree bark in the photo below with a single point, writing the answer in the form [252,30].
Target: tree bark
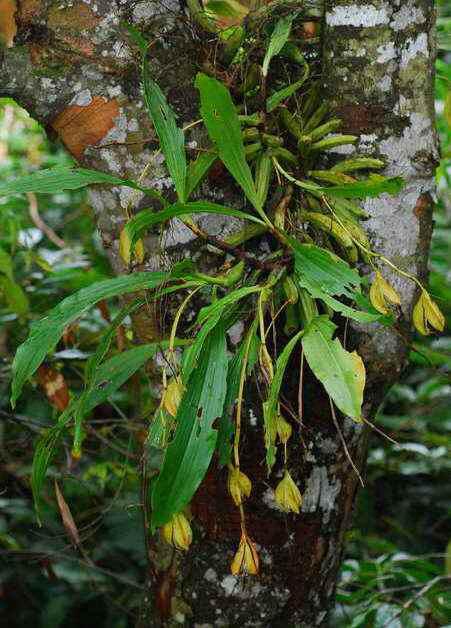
[74,69]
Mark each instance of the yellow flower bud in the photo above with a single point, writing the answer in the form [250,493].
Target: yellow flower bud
[382,293]
[427,315]
[287,494]
[265,362]
[284,429]
[125,248]
[172,396]
[177,532]
[239,485]
[246,559]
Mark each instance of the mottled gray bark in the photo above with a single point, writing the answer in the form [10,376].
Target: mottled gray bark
[378,61]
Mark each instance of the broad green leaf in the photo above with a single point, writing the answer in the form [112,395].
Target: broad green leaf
[198,169]
[275,99]
[324,275]
[6,264]
[189,453]
[279,38]
[324,269]
[14,296]
[172,138]
[341,373]
[45,333]
[223,126]
[146,218]
[55,180]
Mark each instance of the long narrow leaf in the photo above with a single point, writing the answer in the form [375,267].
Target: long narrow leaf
[278,40]
[55,180]
[136,227]
[223,126]
[172,139]
[45,333]
[275,99]
[189,453]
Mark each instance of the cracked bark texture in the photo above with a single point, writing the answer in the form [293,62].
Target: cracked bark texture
[73,68]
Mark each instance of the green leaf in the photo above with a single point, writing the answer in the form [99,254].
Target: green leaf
[146,218]
[275,99]
[14,296]
[369,188]
[172,138]
[198,169]
[341,373]
[223,126]
[45,333]
[43,454]
[55,180]
[6,264]
[325,275]
[278,40]
[226,425]
[189,453]
[219,306]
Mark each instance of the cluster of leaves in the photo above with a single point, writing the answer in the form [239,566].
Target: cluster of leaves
[315,234]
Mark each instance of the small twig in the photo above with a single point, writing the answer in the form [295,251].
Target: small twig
[417,595]
[40,224]
[379,431]
[343,442]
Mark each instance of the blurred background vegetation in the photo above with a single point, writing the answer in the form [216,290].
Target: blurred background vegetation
[397,568]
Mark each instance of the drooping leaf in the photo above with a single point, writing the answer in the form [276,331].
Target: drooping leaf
[136,227]
[172,138]
[44,451]
[326,276]
[368,188]
[279,38]
[55,180]
[341,373]
[226,425]
[189,453]
[221,304]
[6,264]
[45,333]
[282,94]
[14,296]
[223,126]
[198,169]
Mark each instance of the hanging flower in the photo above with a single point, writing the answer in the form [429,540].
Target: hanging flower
[287,494]
[172,396]
[427,315]
[246,559]
[177,532]
[284,429]
[382,294]
[239,485]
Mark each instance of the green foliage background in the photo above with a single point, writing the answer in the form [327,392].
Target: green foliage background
[397,564]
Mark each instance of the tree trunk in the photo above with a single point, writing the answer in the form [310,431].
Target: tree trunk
[73,68]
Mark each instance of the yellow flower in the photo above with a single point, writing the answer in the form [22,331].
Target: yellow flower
[382,293]
[287,494]
[177,532]
[239,485]
[172,396]
[427,315]
[284,429]
[246,559]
